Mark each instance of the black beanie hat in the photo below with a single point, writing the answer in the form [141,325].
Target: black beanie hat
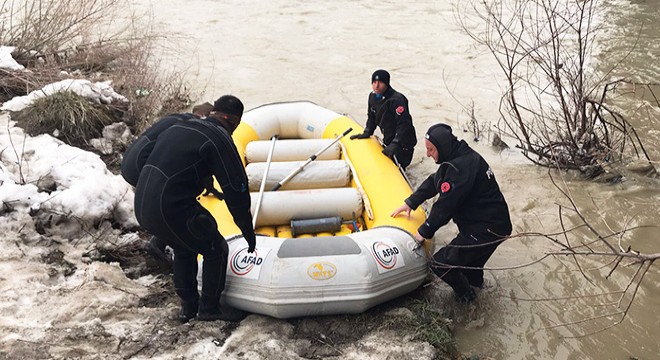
[229,105]
[382,76]
[228,110]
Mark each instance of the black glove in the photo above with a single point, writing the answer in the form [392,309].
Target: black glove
[215,192]
[251,240]
[364,135]
[210,189]
[390,150]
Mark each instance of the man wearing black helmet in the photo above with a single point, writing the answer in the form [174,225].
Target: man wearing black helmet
[183,156]
[468,195]
[388,109]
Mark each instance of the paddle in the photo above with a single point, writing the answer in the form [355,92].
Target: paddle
[311,158]
[263,181]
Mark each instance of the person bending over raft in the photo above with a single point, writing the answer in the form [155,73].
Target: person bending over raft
[183,156]
[137,153]
[470,196]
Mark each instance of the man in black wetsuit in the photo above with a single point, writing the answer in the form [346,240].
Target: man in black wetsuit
[136,156]
[388,109]
[470,196]
[184,154]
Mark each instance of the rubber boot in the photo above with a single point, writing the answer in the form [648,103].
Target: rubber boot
[210,310]
[477,284]
[467,297]
[188,310]
[156,248]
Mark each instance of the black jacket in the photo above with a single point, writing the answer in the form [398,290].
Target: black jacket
[469,194]
[392,115]
[173,176]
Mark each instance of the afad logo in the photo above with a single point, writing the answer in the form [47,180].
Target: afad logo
[322,270]
[242,262]
[385,254]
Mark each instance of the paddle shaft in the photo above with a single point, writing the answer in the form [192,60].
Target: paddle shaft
[403,172]
[263,182]
[311,158]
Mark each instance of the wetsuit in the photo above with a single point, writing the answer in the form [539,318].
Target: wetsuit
[137,153]
[390,112]
[183,156]
[470,196]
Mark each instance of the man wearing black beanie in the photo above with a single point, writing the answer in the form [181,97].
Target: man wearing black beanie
[468,195]
[227,110]
[136,156]
[184,155]
[388,109]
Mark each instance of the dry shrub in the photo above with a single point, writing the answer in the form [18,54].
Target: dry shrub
[69,116]
[52,29]
[95,40]
[150,93]
[66,35]
[18,83]
[555,104]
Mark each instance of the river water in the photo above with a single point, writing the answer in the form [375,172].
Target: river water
[282,50]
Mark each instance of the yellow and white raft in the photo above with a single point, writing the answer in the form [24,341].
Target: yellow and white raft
[367,258]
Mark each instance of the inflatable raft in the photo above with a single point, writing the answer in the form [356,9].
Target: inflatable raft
[326,243]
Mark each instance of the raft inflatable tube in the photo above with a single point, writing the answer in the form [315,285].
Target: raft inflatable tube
[353,256]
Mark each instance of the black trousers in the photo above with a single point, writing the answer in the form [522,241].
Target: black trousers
[472,251]
[191,233]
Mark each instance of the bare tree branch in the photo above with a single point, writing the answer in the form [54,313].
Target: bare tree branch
[550,105]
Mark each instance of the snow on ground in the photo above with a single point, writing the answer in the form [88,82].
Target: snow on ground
[101,92]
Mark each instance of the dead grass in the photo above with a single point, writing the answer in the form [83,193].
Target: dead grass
[423,322]
[66,115]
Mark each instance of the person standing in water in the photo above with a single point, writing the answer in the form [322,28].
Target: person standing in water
[468,195]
